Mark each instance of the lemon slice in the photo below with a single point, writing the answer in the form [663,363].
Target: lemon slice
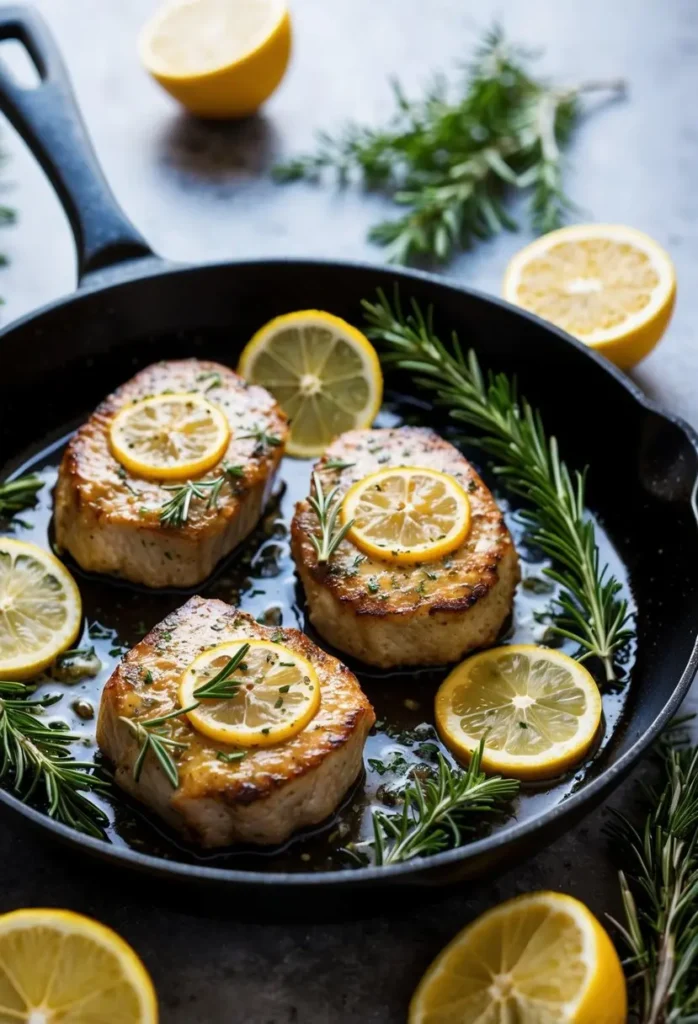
[542,958]
[40,609]
[538,709]
[218,58]
[169,437]
[407,514]
[59,966]
[608,285]
[275,693]
[324,374]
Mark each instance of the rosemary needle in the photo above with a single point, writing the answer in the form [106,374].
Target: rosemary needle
[16,495]
[326,507]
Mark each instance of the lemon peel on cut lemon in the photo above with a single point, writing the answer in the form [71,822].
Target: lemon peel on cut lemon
[57,965]
[276,692]
[407,514]
[40,609]
[538,710]
[610,286]
[218,59]
[170,436]
[323,372]
[538,957]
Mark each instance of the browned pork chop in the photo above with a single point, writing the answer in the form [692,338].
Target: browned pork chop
[109,519]
[272,791]
[389,614]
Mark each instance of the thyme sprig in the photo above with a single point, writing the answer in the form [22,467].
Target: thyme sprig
[436,812]
[37,757]
[326,507]
[590,611]
[659,889]
[220,685]
[450,158]
[16,495]
[154,739]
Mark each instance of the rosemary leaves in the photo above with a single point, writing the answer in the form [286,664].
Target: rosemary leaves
[449,160]
[16,495]
[326,507]
[153,738]
[590,610]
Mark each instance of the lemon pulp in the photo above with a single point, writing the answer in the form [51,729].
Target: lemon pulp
[407,514]
[324,374]
[538,710]
[169,436]
[276,694]
[40,609]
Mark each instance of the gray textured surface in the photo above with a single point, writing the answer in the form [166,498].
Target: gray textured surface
[202,192]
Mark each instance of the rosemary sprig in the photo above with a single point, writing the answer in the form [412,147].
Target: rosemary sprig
[264,440]
[659,889]
[38,757]
[590,611]
[435,812]
[16,495]
[220,685]
[153,738]
[450,160]
[175,512]
[326,507]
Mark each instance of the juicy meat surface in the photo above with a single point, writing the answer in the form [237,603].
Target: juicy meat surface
[109,519]
[272,791]
[389,614]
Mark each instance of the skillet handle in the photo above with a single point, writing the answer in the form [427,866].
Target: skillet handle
[48,119]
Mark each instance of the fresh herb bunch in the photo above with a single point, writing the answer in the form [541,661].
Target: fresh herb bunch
[435,812]
[37,757]
[659,888]
[590,610]
[16,495]
[450,160]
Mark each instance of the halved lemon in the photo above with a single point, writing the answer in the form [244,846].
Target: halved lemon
[538,710]
[324,374]
[610,286]
[276,694]
[40,609]
[407,514]
[537,958]
[169,437]
[219,59]
[59,966]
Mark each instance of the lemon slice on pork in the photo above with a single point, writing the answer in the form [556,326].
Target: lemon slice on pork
[538,710]
[169,437]
[266,693]
[40,609]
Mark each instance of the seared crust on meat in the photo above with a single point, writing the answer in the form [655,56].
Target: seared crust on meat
[108,519]
[389,614]
[272,791]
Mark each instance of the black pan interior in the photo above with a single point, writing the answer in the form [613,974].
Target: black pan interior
[56,367]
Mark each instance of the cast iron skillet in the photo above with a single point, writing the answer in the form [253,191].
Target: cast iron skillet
[132,308]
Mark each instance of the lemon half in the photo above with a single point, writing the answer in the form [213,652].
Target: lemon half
[538,709]
[540,957]
[218,58]
[407,514]
[610,286]
[324,374]
[59,966]
[277,694]
[40,609]
[169,437]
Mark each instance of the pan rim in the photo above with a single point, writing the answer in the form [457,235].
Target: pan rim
[590,793]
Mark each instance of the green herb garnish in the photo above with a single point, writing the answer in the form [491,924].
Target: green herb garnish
[326,507]
[16,495]
[152,737]
[221,686]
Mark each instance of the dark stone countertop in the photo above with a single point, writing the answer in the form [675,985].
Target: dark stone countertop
[202,192]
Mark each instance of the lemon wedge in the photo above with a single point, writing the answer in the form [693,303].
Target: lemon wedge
[610,286]
[40,609]
[169,437]
[60,966]
[324,374]
[216,57]
[538,710]
[407,514]
[271,695]
[538,958]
